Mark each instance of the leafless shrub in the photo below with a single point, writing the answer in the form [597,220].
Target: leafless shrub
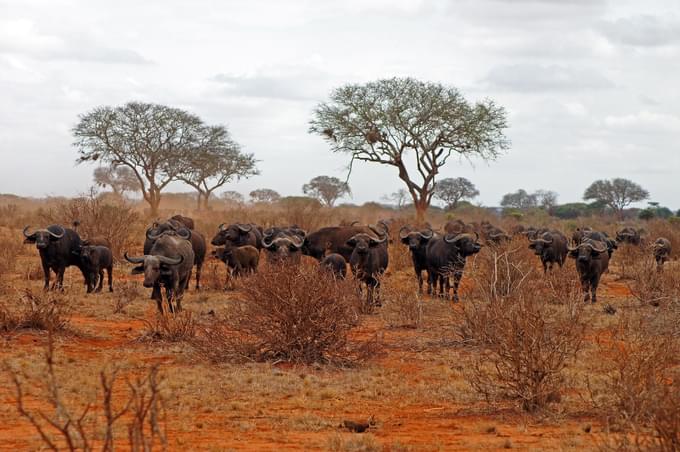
[401,307]
[628,259]
[166,327]
[287,313]
[98,217]
[80,428]
[651,287]
[43,311]
[525,345]
[501,270]
[126,293]
[10,248]
[214,275]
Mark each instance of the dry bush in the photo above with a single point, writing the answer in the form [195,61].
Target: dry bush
[664,228]
[627,259]
[71,428]
[118,222]
[638,395]
[10,248]
[126,293]
[37,311]
[400,256]
[166,327]
[401,307]
[557,282]
[652,287]
[214,275]
[525,346]
[500,271]
[288,313]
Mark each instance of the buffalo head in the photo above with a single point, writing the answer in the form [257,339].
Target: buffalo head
[587,250]
[467,244]
[154,266]
[232,233]
[414,238]
[43,237]
[362,242]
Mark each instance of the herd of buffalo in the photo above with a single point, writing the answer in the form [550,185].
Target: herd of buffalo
[173,247]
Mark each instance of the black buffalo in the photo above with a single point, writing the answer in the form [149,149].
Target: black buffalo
[283,244]
[187,222]
[240,260]
[176,227]
[59,248]
[95,259]
[417,241]
[493,234]
[586,233]
[238,234]
[168,264]
[446,256]
[592,260]
[332,239]
[629,235]
[335,264]
[551,247]
[368,261]
[662,251]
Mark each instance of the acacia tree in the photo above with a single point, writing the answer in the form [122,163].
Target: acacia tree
[232,196]
[519,200]
[407,123]
[547,199]
[327,189]
[264,195]
[150,139]
[216,161]
[121,179]
[398,197]
[616,193]
[453,190]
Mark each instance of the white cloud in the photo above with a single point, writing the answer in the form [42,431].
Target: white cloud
[532,77]
[643,31]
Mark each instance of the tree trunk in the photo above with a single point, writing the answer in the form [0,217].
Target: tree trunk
[206,197]
[154,200]
[198,200]
[421,208]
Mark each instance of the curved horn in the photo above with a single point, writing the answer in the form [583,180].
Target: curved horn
[450,238]
[297,242]
[151,234]
[267,241]
[406,228]
[184,233]
[379,240]
[133,260]
[594,248]
[384,225]
[245,227]
[355,222]
[428,233]
[382,233]
[541,241]
[27,235]
[569,248]
[57,236]
[220,227]
[170,261]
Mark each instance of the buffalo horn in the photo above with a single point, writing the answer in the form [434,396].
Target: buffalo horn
[26,234]
[245,227]
[403,229]
[171,261]
[57,236]
[133,259]
[427,234]
[184,233]
[151,234]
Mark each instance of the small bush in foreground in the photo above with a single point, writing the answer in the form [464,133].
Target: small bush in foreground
[525,346]
[288,313]
[168,327]
[401,307]
[43,311]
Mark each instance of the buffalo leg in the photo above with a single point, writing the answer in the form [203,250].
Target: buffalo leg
[457,276]
[593,288]
[158,296]
[101,280]
[170,295]
[585,287]
[109,271]
[198,276]
[419,276]
[60,278]
[91,281]
[46,272]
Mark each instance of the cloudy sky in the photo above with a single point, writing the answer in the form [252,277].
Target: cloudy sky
[591,86]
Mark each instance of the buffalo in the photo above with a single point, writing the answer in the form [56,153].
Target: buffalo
[368,261]
[417,241]
[95,259]
[240,260]
[176,227]
[335,264]
[592,260]
[551,247]
[446,256]
[168,264]
[332,239]
[586,233]
[629,235]
[187,222]
[458,227]
[59,248]
[238,234]
[493,234]
[283,244]
[662,251]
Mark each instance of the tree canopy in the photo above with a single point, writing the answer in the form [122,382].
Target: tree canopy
[266,195]
[327,189]
[412,125]
[519,200]
[121,179]
[616,193]
[453,190]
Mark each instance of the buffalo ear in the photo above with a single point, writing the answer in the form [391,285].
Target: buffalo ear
[29,240]
[351,242]
[532,246]
[138,270]
[405,240]
[573,253]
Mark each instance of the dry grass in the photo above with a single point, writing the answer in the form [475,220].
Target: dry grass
[402,305]
[652,287]
[10,249]
[166,327]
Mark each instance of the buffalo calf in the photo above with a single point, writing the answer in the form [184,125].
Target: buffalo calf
[95,259]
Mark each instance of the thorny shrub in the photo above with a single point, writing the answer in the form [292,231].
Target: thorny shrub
[167,327]
[47,311]
[525,344]
[126,293]
[628,259]
[294,313]
[118,222]
[80,428]
[639,369]
[652,287]
[401,306]
[10,248]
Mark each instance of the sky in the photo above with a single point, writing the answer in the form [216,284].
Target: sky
[590,86]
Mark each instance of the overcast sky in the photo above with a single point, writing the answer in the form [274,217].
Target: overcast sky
[591,86]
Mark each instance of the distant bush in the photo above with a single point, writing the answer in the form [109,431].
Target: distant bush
[42,311]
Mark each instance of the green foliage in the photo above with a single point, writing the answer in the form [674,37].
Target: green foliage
[327,189]
[646,214]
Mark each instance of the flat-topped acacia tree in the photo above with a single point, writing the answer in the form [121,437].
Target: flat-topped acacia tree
[412,125]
